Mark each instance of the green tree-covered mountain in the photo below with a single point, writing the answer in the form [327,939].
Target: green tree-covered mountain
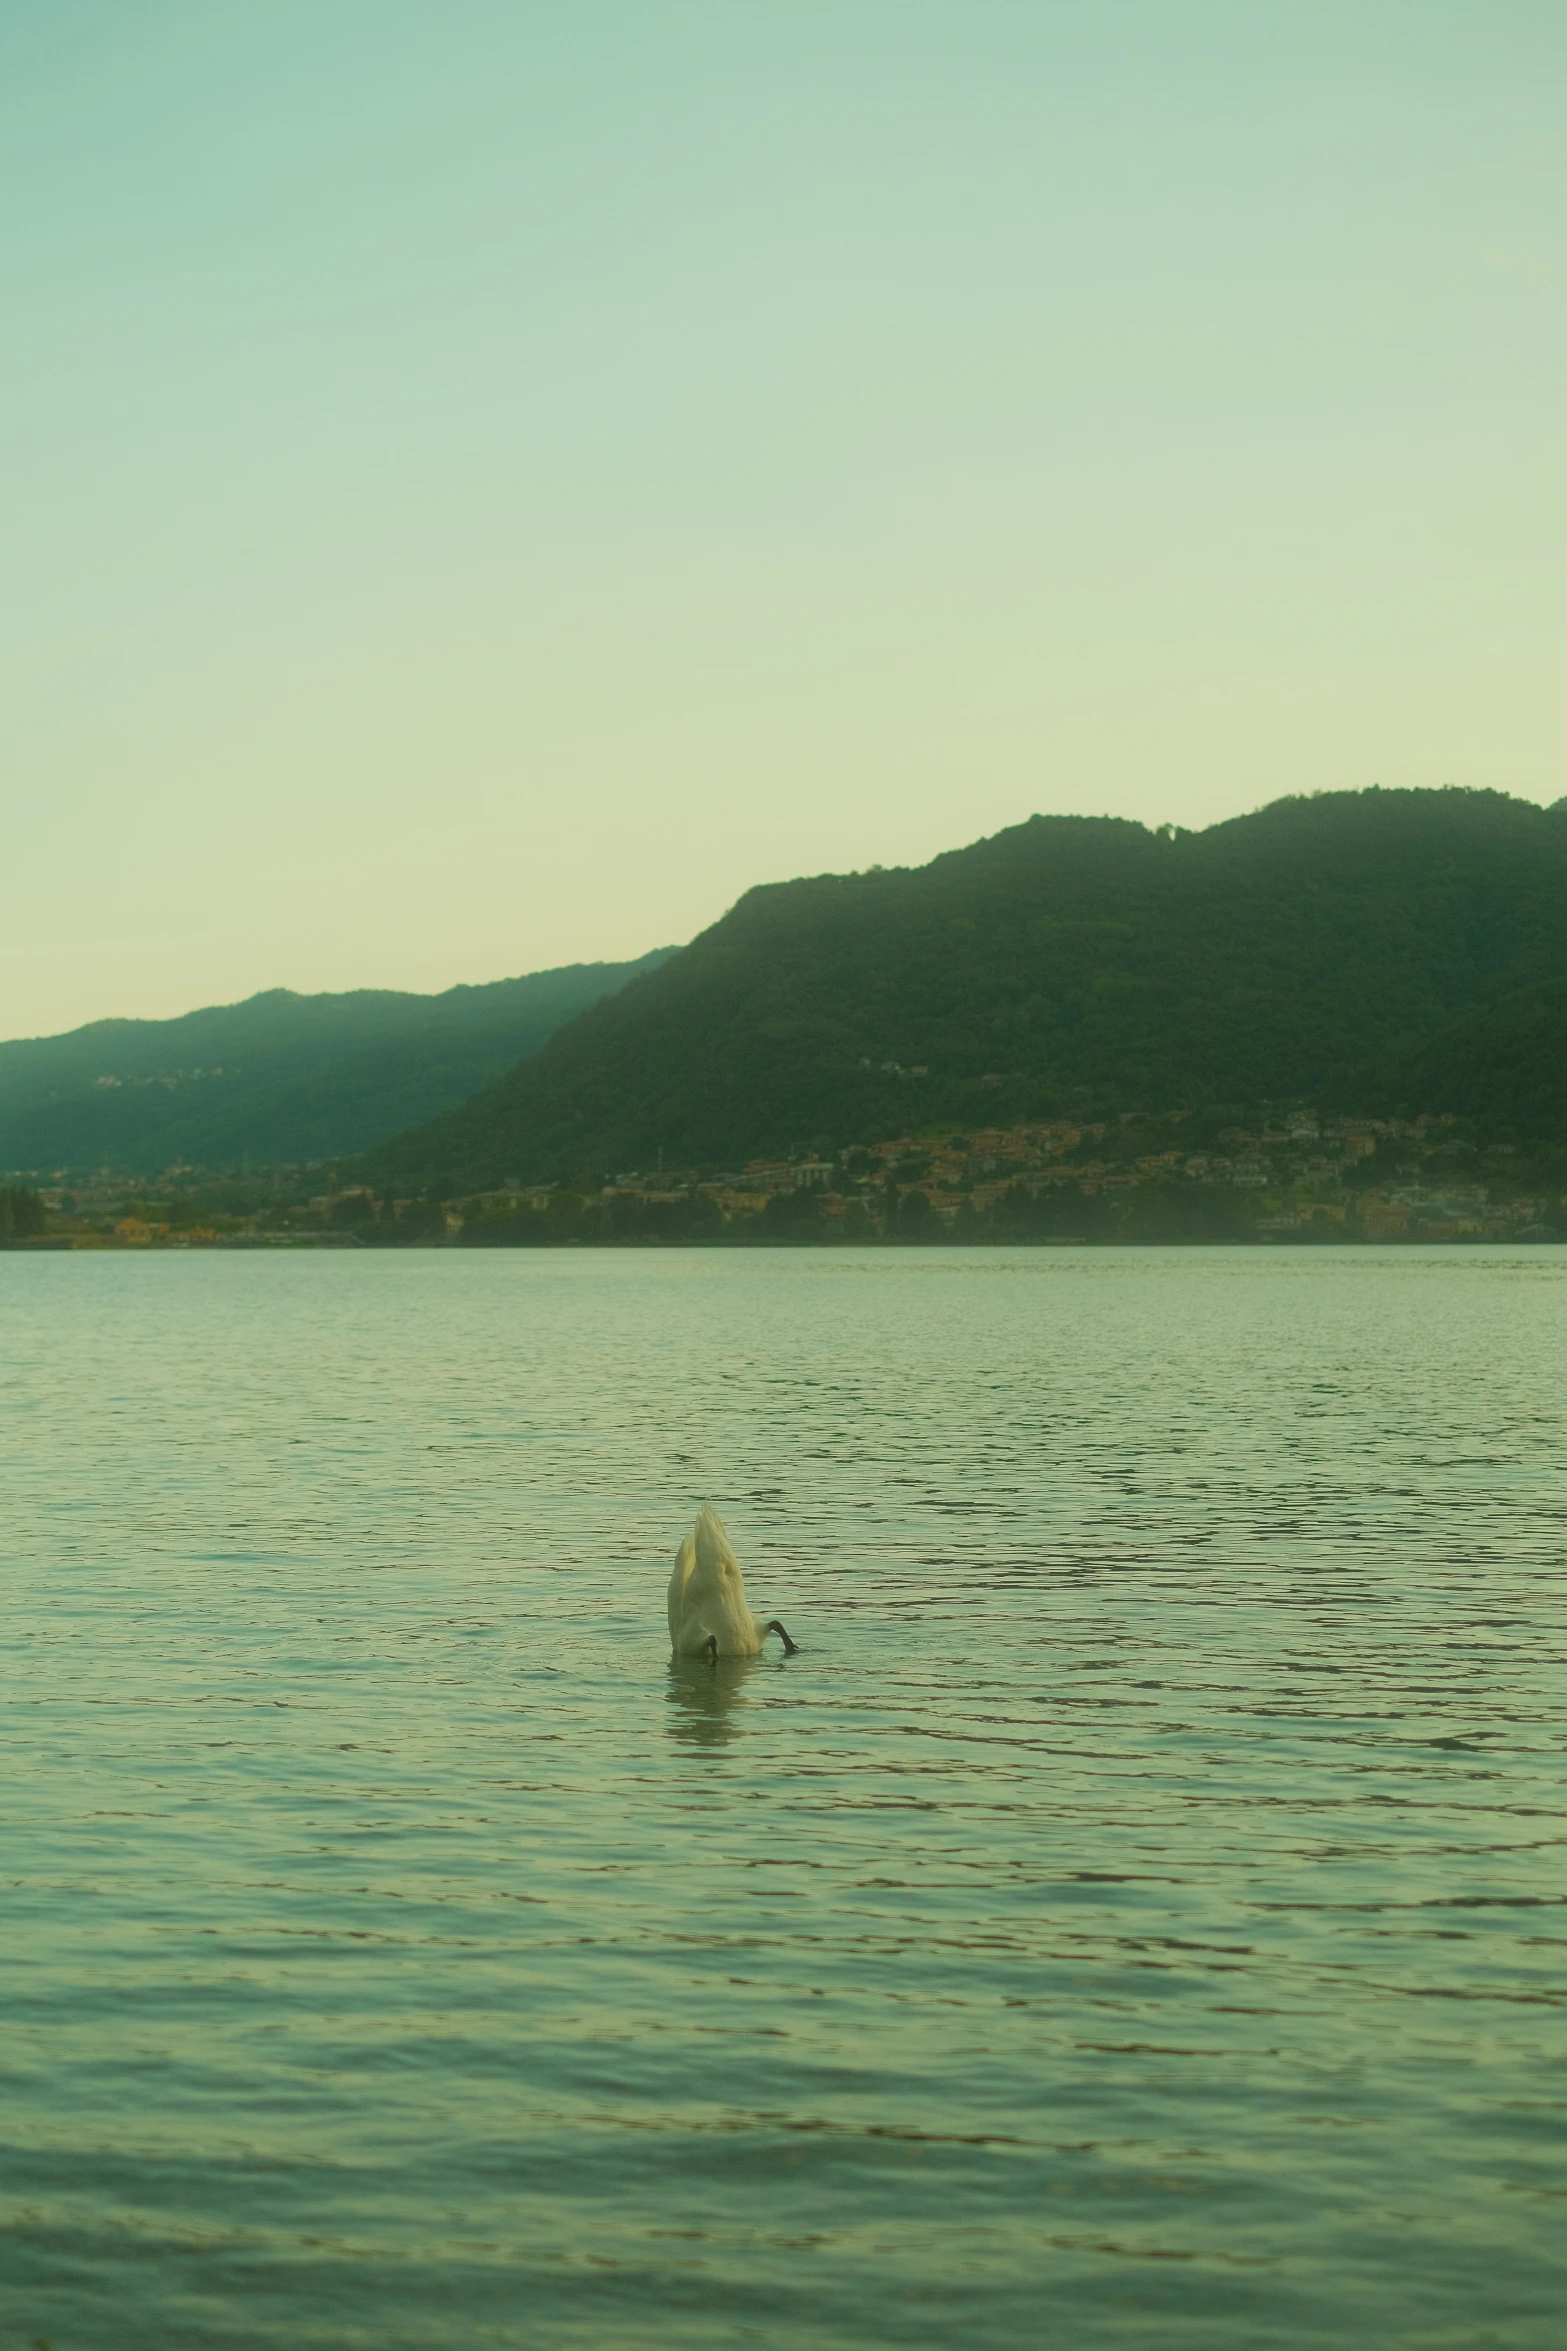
[1503,1065]
[1313,949]
[280,1078]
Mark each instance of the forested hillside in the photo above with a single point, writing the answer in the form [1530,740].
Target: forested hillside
[1504,1066]
[279,1078]
[1078,965]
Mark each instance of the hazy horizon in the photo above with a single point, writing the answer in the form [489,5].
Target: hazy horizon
[488,488]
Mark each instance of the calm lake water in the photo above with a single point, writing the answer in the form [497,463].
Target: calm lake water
[1137,1916]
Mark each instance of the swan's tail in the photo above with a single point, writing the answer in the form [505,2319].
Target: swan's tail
[715,1554]
[685,1561]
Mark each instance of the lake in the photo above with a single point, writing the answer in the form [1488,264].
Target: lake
[1137,1916]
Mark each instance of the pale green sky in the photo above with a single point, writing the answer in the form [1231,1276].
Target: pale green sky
[485,483]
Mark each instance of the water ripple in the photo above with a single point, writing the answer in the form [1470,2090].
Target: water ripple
[1132,1919]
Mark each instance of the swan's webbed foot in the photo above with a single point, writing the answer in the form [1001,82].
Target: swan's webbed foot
[710,1649]
[791,1648]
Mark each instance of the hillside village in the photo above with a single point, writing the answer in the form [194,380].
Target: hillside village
[1358,1178]
[1172,1177]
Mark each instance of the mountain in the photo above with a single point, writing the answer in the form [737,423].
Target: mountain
[1504,1066]
[1068,964]
[279,1078]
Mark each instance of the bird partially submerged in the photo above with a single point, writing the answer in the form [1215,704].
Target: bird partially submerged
[708,1613]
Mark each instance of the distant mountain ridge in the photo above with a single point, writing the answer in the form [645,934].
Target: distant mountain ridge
[1319,948]
[280,1078]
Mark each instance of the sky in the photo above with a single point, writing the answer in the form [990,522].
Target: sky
[482,484]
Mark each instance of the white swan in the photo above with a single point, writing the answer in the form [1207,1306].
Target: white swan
[708,1615]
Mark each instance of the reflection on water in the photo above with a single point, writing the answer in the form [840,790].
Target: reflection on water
[703,1698]
[1134,1918]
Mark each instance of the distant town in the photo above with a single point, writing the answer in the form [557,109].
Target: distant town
[1176,1177]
